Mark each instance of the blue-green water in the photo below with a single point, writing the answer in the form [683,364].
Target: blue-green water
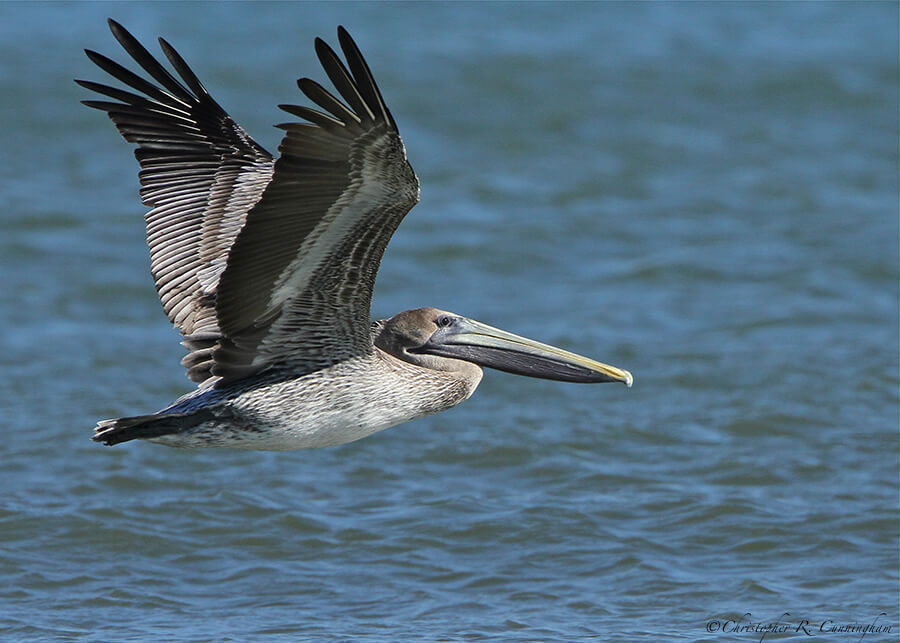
[705,194]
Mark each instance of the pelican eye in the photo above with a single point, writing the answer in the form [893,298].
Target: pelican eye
[444,321]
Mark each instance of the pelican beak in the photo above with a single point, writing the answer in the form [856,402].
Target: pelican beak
[472,341]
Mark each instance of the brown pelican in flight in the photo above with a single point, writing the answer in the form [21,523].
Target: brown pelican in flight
[267,267]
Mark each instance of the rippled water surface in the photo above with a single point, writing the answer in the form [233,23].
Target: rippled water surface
[705,194]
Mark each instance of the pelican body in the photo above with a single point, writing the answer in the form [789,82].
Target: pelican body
[267,266]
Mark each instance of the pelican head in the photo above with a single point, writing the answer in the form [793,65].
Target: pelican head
[437,339]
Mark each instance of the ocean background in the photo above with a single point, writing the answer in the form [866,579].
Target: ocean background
[705,194]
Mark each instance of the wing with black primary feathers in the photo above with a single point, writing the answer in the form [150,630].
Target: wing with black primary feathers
[200,173]
[261,262]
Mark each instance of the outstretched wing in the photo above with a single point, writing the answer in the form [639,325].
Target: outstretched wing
[298,281]
[200,173]
[300,275]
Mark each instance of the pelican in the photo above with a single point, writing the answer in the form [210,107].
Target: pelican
[267,266]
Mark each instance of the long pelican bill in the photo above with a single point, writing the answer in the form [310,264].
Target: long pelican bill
[472,341]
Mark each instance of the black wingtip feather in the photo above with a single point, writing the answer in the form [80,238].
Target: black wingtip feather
[343,80]
[128,77]
[149,64]
[363,76]
[186,73]
[116,28]
[324,99]
[321,119]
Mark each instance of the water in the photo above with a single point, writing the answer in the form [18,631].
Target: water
[703,194]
